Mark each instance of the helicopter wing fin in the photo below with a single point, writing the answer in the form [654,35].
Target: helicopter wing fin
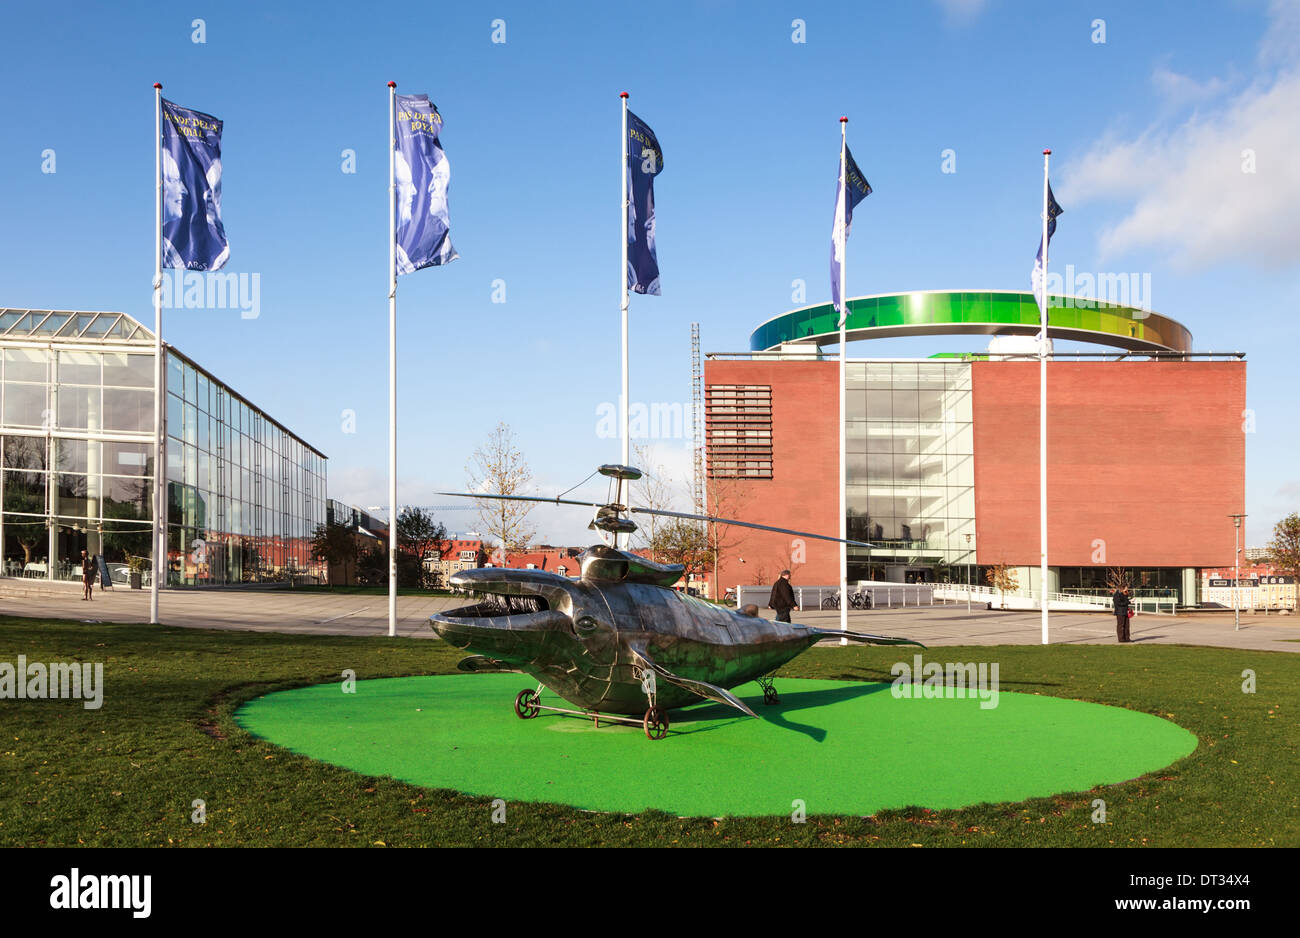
[477,663]
[864,637]
[703,688]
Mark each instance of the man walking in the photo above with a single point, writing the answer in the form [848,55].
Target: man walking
[782,598]
[1122,613]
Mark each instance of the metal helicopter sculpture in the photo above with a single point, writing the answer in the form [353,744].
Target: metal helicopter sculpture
[620,641]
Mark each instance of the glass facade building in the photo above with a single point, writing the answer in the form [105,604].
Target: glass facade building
[243,494]
[910,472]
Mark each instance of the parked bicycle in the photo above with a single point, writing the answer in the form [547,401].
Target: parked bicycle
[858,600]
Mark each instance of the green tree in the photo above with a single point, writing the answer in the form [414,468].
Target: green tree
[1284,551]
[335,544]
[419,537]
[684,542]
[372,566]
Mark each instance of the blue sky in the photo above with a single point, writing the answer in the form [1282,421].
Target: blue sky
[1147,130]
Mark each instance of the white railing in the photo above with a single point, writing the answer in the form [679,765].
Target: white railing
[901,595]
[1032,599]
[877,595]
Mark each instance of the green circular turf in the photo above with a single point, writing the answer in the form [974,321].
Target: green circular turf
[840,747]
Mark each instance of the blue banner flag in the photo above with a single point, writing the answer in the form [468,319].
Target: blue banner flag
[645,160]
[858,189]
[193,237]
[1036,278]
[422,174]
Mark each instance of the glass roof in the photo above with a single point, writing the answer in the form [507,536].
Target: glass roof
[60,325]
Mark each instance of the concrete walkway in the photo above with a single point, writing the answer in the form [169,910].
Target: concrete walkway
[321,613]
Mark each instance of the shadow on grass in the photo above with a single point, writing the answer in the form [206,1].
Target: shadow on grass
[776,714]
[874,674]
[706,717]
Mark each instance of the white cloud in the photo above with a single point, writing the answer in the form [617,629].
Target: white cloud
[1281,44]
[1196,196]
[366,487]
[672,464]
[958,12]
[1180,90]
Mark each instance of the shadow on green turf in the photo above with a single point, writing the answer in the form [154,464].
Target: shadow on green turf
[686,720]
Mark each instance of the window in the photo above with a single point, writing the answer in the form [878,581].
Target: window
[738,426]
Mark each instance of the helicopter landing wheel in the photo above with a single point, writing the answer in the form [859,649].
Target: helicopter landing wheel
[656,723]
[769,691]
[526,704]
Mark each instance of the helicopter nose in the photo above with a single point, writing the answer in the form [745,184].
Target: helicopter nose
[550,589]
[490,630]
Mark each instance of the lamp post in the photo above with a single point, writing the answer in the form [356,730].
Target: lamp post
[967,574]
[1236,571]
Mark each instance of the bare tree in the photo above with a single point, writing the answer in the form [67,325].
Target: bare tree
[654,490]
[723,499]
[1284,551]
[498,468]
[1118,578]
[25,483]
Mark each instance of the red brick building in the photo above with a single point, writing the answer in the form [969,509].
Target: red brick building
[1146,451]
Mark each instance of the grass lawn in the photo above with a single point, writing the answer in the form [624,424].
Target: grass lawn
[127,774]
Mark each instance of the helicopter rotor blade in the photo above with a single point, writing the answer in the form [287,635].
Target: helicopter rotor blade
[658,511]
[524,498]
[745,524]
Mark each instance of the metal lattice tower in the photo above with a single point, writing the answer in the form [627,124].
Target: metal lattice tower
[697,420]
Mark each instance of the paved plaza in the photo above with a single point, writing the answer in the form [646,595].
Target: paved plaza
[324,613]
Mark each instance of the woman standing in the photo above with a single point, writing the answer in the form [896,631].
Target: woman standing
[87,577]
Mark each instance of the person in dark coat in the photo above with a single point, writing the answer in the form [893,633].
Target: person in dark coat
[1121,604]
[782,598]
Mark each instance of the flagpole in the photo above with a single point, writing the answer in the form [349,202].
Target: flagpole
[844,315]
[392,361]
[1042,412]
[622,276]
[159,530]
